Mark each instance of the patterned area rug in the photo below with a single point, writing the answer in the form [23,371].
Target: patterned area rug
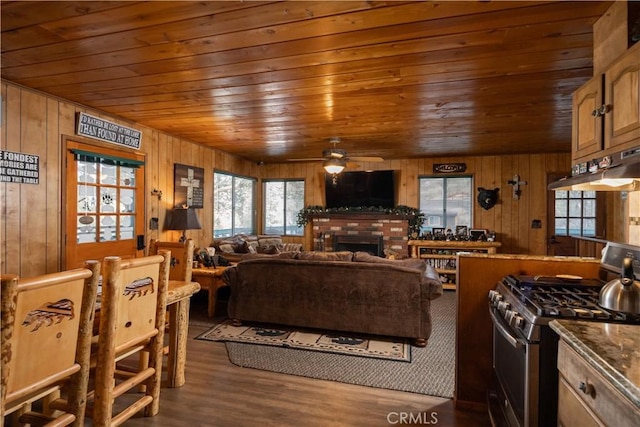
[358,345]
[431,371]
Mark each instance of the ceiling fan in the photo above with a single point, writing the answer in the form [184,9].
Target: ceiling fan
[335,159]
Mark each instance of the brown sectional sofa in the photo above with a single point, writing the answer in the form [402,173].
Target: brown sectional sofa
[234,248]
[341,291]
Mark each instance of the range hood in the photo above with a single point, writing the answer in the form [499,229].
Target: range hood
[623,176]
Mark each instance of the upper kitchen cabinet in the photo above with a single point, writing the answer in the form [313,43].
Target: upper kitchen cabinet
[622,100]
[606,110]
[587,125]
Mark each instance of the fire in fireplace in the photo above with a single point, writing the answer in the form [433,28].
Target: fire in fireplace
[372,244]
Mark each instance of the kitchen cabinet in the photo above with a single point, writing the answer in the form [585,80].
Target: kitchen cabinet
[586,397]
[606,110]
[442,255]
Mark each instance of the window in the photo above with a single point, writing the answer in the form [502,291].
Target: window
[233,204]
[282,202]
[446,202]
[575,213]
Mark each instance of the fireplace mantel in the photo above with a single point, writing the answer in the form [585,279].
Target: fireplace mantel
[358,215]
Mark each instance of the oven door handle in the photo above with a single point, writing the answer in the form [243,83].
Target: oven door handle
[499,324]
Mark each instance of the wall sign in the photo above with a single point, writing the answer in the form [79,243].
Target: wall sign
[97,128]
[19,168]
[449,167]
[188,186]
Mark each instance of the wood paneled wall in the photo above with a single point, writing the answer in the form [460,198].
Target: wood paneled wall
[35,123]
[510,219]
[31,220]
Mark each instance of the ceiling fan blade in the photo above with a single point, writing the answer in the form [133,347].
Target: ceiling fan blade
[366,159]
[309,159]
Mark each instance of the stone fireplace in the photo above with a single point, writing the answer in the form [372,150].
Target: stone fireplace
[361,231]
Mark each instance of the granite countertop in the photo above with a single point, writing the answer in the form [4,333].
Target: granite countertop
[612,349]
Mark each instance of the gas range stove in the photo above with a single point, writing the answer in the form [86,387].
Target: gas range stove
[525,347]
[528,302]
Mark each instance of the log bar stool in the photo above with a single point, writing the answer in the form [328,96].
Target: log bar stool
[46,344]
[181,288]
[132,315]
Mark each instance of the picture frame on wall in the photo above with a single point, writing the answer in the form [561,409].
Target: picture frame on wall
[188,186]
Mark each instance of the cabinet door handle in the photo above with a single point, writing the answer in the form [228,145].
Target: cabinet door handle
[587,388]
[599,112]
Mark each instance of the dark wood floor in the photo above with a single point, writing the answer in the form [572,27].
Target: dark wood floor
[218,393]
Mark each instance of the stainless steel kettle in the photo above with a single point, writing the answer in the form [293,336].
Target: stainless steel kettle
[622,294]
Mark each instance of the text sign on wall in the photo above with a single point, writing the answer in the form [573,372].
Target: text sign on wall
[97,128]
[19,168]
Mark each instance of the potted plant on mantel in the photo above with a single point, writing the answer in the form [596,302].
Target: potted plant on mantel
[414,215]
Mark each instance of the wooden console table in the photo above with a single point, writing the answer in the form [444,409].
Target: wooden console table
[211,280]
[442,254]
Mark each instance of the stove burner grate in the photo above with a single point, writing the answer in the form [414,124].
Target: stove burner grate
[562,300]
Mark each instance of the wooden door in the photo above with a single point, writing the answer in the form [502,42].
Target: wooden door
[587,127]
[104,203]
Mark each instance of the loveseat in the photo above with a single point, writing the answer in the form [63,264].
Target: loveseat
[340,291]
[234,248]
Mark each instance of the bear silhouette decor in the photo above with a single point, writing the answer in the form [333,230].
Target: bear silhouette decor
[487,198]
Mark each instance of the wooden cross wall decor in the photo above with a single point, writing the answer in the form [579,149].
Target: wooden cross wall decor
[188,186]
[516,183]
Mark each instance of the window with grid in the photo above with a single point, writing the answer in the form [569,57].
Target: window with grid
[233,204]
[575,213]
[106,194]
[283,199]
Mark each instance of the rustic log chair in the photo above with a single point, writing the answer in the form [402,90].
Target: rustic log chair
[46,345]
[181,257]
[132,315]
[181,269]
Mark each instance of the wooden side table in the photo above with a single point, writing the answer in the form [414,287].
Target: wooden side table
[211,280]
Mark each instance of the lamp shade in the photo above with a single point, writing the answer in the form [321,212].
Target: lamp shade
[184,219]
[334,166]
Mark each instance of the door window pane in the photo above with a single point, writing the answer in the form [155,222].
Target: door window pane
[575,213]
[98,193]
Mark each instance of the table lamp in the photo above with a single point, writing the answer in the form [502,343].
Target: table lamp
[184,219]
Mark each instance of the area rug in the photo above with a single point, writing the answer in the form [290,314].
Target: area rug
[313,340]
[431,371]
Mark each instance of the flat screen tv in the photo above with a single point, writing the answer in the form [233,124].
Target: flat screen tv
[361,189]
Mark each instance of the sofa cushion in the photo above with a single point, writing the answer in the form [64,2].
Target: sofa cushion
[226,248]
[325,256]
[416,263]
[268,249]
[290,247]
[269,241]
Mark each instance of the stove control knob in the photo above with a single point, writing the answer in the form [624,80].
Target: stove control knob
[494,296]
[503,306]
[518,321]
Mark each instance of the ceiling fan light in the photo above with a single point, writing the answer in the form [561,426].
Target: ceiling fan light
[334,166]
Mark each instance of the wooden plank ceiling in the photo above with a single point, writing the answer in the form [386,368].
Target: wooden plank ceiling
[272,81]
